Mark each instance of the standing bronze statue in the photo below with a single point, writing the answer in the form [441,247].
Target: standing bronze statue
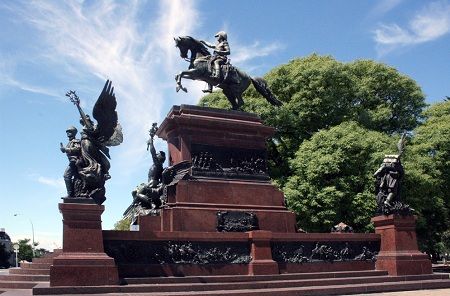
[89,166]
[216,70]
[388,184]
[73,152]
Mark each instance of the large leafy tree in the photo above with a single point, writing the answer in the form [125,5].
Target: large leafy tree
[319,92]
[337,122]
[332,180]
[427,164]
[123,224]
[386,100]
[26,250]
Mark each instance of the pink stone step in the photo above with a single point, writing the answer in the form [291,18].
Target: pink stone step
[29,265]
[24,277]
[16,285]
[29,271]
[380,283]
[43,260]
[240,278]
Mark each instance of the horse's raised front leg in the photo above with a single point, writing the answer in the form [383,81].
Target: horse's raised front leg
[178,80]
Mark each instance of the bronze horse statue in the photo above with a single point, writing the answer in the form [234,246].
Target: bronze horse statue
[233,81]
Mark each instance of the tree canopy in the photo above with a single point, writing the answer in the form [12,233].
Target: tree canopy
[332,178]
[25,249]
[427,180]
[319,92]
[123,224]
[337,122]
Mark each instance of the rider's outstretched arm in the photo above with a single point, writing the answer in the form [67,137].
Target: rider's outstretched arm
[208,44]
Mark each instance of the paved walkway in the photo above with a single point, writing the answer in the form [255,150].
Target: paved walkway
[437,292]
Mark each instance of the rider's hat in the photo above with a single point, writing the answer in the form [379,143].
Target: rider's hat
[222,34]
[72,129]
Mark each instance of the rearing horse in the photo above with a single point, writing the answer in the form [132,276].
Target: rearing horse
[233,84]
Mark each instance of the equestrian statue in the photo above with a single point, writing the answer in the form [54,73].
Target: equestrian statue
[216,70]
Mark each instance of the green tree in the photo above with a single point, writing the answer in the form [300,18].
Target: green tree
[427,166]
[332,180]
[328,178]
[319,92]
[386,100]
[26,249]
[123,224]
[445,242]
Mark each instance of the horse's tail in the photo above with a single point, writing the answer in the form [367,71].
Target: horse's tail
[261,86]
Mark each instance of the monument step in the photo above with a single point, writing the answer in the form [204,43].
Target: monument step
[290,287]
[248,278]
[43,260]
[24,278]
[32,265]
[289,291]
[29,271]
[17,285]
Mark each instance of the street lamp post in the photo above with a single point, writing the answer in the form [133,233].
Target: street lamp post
[16,250]
[32,231]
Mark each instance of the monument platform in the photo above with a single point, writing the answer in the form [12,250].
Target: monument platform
[83,261]
[224,221]
[228,153]
[399,253]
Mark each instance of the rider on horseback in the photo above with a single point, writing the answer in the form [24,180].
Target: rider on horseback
[221,50]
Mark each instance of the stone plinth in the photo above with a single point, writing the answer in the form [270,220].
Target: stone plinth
[83,261]
[186,127]
[261,252]
[399,253]
[228,153]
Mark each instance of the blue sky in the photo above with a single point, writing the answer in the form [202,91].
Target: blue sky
[50,47]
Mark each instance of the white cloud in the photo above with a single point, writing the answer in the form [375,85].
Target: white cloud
[8,80]
[384,6]
[429,24]
[108,39]
[82,40]
[245,53]
[58,183]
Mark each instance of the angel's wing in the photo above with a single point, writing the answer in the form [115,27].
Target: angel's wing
[105,113]
[177,172]
[401,144]
[117,137]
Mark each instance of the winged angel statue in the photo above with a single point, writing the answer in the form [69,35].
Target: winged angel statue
[88,168]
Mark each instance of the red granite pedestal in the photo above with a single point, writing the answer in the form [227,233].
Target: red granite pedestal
[399,253]
[83,261]
[261,252]
[228,152]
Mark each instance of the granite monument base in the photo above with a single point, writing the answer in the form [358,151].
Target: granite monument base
[399,253]
[83,261]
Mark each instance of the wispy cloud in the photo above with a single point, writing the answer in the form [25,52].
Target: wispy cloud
[89,41]
[8,80]
[58,183]
[245,53]
[384,6]
[108,39]
[427,25]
